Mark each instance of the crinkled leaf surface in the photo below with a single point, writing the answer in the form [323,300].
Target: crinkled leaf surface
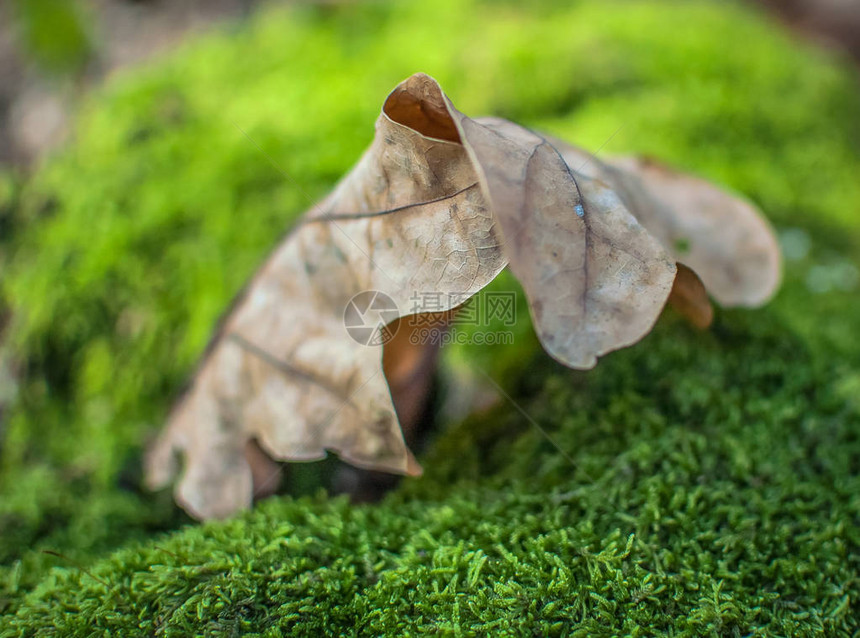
[434,210]
[720,236]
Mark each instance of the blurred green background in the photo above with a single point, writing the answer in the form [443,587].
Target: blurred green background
[715,485]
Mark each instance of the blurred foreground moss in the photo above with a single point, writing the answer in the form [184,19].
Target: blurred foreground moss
[708,481]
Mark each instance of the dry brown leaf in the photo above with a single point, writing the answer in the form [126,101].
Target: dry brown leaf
[723,238]
[596,281]
[410,217]
[409,361]
[439,204]
[690,298]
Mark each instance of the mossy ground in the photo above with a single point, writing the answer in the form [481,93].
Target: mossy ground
[695,483]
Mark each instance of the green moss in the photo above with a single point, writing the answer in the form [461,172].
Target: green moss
[696,483]
[695,490]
